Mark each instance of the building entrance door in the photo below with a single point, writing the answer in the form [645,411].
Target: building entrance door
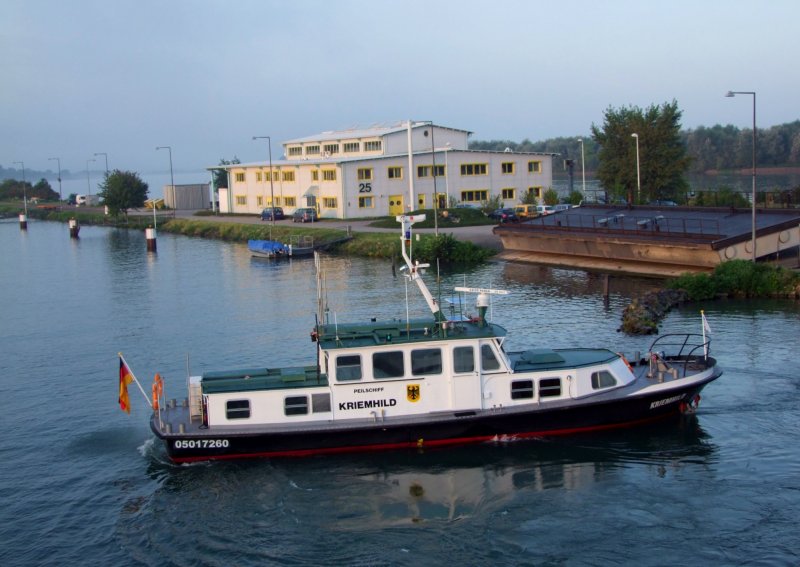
[395,205]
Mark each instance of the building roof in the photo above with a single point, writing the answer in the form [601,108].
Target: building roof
[374,131]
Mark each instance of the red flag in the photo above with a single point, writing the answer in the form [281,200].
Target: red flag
[125,378]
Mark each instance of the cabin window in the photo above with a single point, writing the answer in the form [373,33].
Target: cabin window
[237,409]
[388,364]
[295,405]
[488,359]
[348,368]
[320,403]
[521,389]
[426,361]
[549,387]
[603,379]
[463,359]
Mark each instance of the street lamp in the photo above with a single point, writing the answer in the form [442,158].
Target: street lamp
[271,185]
[106,156]
[171,180]
[88,183]
[731,94]
[638,176]
[60,198]
[24,190]
[583,167]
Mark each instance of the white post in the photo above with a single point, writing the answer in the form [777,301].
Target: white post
[411,203]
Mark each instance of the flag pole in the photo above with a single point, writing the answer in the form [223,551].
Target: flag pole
[128,366]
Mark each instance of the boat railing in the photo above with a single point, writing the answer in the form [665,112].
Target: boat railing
[685,348]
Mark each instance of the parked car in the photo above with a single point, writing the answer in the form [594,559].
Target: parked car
[525,211]
[663,203]
[504,215]
[545,209]
[267,213]
[562,207]
[305,214]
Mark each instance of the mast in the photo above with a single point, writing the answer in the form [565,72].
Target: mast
[415,270]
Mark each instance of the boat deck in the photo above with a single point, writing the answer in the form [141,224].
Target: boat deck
[249,379]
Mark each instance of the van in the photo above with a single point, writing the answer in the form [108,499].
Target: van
[525,211]
[544,209]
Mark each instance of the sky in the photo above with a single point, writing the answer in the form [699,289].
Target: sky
[122,77]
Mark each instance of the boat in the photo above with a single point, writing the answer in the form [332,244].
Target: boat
[297,246]
[445,379]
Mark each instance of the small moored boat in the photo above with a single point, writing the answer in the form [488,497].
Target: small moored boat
[297,246]
[447,379]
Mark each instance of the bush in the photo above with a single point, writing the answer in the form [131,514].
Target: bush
[698,287]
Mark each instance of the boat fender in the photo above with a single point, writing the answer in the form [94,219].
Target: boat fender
[625,360]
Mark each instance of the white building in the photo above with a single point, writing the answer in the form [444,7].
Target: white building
[369,172]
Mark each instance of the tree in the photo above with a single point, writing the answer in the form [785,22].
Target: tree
[221,175]
[550,197]
[122,190]
[662,155]
[44,191]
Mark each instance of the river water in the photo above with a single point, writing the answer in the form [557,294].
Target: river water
[83,483]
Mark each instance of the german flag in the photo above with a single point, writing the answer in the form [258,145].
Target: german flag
[125,378]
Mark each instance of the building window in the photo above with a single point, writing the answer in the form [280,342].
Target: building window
[509,193]
[388,364]
[329,175]
[260,201]
[277,202]
[295,150]
[288,176]
[535,191]
[314,175]
[473,169]
[488,359]
[240,177]
[534,167]
[603,379]
[507,167]
[258,176]
[373,146]
[549,387]
[475,196]
[463,359]
[521,389]
[366,203]
[331,149]
[237,409]
[427,170]
[364,173]
[395,172]
[426,361]
[312,150]
[351,147]
[329,202]
[295,405]
[241,199]
[275,175]
[290,201]
[348,368]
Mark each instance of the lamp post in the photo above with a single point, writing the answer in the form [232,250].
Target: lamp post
[271,185]
[583,167]
[171,179]
[24,190]
[88,183]
[731,94]
[106,156]
[638,176]
[60,197]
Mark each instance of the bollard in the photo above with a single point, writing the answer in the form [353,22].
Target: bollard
[74,228]
[23,221]
[150,234]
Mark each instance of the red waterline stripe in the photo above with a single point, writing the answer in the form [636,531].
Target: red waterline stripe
[421,443]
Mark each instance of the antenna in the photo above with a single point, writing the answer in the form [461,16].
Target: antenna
[482,301]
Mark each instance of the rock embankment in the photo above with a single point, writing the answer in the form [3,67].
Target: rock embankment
[643,315]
